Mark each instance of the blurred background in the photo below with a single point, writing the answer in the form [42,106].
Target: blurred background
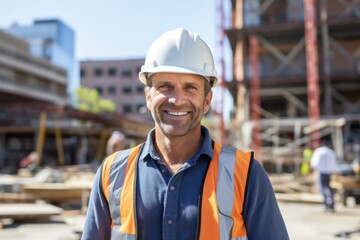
[290,78]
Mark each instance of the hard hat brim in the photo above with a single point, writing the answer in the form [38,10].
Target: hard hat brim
[172,69]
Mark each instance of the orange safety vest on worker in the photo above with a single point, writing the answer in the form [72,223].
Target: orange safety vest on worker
[222,198]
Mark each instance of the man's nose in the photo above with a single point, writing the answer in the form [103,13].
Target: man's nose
[177,97]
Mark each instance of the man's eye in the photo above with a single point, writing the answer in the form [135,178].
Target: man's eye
[162,87]
[192,87]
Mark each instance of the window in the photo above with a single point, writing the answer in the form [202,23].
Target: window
[98,72]
[127,108]
[126,72]
[99,90]
[82,72]
[112,90]
[127,89]
[47,48]
[140,89]
[112,71]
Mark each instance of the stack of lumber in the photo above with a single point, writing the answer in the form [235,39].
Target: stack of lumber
[16,198]
[289,188]
[346,182]
[288,183]
[57,192]
[347,186]
[28,211]
[24,197]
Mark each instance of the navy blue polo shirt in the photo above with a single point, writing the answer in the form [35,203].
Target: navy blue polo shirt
[167,205]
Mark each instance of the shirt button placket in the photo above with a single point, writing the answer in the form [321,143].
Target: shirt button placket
[170,213]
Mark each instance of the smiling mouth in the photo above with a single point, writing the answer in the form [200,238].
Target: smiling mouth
[176,113]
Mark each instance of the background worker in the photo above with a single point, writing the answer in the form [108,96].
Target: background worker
[30,162]
[305,165]
[180,184]
[324,161]
[116,142]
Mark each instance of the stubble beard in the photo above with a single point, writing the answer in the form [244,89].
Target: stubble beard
[174,128]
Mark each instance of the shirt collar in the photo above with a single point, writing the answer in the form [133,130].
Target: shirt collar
[205,149]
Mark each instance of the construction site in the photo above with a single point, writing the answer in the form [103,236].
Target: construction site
[295,82]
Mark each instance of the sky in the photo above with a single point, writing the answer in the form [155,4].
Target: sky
[117,29]
[122,29]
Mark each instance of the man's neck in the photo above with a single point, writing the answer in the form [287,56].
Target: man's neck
[177,150]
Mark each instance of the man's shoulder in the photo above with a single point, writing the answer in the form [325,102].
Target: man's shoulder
[119,156]
[247,152]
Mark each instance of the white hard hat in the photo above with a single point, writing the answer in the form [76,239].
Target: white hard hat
[179,51]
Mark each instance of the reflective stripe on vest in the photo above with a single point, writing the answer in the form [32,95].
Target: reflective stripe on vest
[221,208]
[121,191]
[224,193]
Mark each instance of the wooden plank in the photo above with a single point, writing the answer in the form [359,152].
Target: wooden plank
[58,192]
[345,182]
[41,137]
[59,143]
[25,211]
[16,198]
[299,198]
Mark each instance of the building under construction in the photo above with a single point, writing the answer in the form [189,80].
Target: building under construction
[296,76]
[35,114]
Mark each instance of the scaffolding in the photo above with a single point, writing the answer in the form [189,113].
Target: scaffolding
[59,134]
[308,67]
[222,35]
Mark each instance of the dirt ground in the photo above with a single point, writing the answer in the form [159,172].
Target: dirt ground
[304,221]
[310,221]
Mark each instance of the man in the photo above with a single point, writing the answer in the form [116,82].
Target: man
[180,184]
[305,165]
[324,161]
[115,143]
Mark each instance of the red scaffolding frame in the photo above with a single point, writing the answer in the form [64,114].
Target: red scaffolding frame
[255,93]
[222,68]
[312,72]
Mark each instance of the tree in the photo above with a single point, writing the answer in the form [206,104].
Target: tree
[89,100]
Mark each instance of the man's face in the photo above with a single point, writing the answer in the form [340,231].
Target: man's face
[177,102]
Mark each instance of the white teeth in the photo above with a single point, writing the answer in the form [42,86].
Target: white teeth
[178,113]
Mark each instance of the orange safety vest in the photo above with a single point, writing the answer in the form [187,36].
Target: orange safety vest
[222,198]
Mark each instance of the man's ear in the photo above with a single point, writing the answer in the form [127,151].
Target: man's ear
[147,97]
[207,102]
